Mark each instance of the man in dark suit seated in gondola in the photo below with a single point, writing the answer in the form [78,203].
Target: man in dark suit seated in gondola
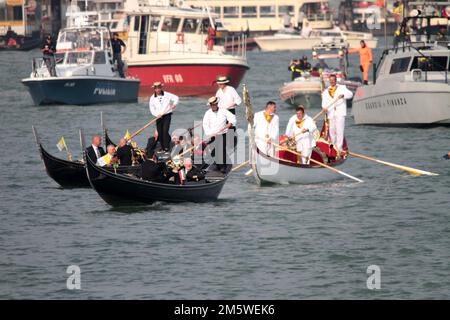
[151,145]
[188,173]
[124,153]
[154,171]
[95,151]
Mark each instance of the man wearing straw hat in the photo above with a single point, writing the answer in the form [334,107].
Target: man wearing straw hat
[228,97]
[161,104]
[216,125]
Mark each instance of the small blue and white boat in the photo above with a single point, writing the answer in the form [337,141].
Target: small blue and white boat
[85,71]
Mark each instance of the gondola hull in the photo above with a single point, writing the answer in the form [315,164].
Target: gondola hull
[121,189]
[271,170]
[70,174]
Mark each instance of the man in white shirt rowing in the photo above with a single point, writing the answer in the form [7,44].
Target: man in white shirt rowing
[266,124]
[301,127]
[228,97]
[216,125]
[334,103]
[162,103]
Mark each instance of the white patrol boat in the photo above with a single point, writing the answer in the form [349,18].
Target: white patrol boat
[411,85]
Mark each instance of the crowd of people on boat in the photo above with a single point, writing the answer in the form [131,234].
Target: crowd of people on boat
[301,132]
[299,66]
[173,159]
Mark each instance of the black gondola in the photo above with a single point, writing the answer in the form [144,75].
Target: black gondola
[119,189]
[70,174]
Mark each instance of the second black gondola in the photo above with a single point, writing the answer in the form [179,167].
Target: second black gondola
[119,189]
[70,174]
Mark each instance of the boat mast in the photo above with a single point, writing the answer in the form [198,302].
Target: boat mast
[385,23]
[24,18]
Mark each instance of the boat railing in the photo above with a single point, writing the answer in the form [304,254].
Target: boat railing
[38,64]
[422,75]
[319,17]
[167,42]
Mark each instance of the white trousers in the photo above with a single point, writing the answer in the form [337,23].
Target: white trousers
[337,125]
[305,148]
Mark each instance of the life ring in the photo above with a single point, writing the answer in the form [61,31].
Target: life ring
[180,38]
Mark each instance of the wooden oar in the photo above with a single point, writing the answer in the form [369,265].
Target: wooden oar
[325,109]
[393,165]
[149,124]
[144,127]
[249,172]
[201,142]
[320,163]
[240,166]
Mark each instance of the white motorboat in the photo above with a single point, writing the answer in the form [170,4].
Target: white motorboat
[85,72]
[411,85]
[306,90]
[306,39]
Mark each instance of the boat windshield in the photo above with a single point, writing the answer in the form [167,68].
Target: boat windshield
[83,39]
[433,63]
[329,64]
[79,57]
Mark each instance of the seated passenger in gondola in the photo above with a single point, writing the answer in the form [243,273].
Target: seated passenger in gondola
[152,144]
[154,171]
[187,173]
[124,153]
[107,159]
[95,151]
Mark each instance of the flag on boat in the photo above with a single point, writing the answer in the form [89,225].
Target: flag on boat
[128,135]
[104,161]
[61,145]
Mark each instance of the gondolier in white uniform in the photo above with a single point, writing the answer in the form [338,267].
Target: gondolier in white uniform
[301,127]
[228,97]
[216,123]
[337,111]
[266,124]
[162,103]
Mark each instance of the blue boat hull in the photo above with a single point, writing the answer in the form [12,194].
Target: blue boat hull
[82,90]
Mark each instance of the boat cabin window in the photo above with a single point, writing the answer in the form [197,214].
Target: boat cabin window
[267,11]
[99,57]
[282,10]
[190,25]
[249,11]
[137,20]
[430,63]
[170,24]
[231,12]
[400,65]
[84,57]
[215,10]
[154,22]
[312,10]
[143,35]
[205,25]
[59,57]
